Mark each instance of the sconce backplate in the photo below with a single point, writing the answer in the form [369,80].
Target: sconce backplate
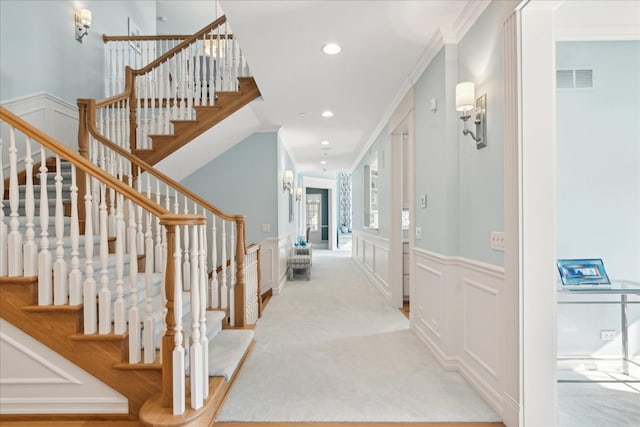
[481,121]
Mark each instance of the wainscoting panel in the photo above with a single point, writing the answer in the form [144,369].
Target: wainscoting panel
[459,312]
[36,380]
[372,255]
[268,264]
[284,247]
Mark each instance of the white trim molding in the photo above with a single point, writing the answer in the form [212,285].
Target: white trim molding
[371,253]
[36,380]
[458,310]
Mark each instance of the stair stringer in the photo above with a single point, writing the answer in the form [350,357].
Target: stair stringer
[227,103]
[54,327]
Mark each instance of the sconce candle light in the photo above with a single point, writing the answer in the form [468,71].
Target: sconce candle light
[83,22]
[287,181]
[465,102]
[298,194]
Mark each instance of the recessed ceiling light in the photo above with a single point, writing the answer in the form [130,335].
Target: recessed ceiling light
[325,142]
[301,114]
[327,113]
[331,48]
[323,162]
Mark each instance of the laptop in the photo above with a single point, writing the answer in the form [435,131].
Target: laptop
[583,274]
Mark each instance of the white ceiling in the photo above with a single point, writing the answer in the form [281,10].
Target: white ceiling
[382,43]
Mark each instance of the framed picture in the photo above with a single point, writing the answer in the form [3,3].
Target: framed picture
[134,31]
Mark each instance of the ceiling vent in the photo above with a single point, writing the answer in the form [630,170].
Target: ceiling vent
[574,79]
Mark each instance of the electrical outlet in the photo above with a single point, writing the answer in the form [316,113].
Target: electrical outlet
[266,228]
[607,335]
[423,200]
[497,241]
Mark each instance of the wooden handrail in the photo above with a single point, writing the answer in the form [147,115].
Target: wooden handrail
[180,46]
[91,108]
[106,38]
[254,247]
[89,168]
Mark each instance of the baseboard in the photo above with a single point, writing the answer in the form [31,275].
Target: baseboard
[375,279]
[510,411]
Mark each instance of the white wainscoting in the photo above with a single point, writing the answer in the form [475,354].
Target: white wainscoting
[36,380]
[458,309]
[371,253]
[52,115]
[274,253]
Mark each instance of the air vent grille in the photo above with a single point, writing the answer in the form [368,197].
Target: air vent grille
[574,79]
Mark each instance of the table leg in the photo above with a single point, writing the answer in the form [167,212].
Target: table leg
[625,334]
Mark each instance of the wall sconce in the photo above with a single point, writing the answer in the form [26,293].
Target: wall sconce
[287,181]
[466,102]
[83,22]
[298,194]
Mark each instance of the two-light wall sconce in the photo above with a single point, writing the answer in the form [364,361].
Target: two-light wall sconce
[466,102]
[287,181]
[83,22]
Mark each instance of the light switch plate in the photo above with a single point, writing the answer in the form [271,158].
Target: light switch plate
[418,232]
[266,228]
[497,241]
[423,200]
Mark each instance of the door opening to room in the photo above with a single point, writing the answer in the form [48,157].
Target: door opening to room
[317,214]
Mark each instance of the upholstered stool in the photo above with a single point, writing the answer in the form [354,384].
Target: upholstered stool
[300,262]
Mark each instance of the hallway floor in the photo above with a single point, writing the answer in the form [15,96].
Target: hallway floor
[331,349]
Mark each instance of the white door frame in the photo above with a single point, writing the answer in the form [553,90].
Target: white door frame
[329,184]
[401,120]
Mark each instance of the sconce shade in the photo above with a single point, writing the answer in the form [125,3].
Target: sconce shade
[299,193]
[465,96]
[85,17]
[287,181]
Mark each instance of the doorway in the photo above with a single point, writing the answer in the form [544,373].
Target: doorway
[317,214]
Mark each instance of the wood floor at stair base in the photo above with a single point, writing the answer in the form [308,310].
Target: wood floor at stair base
[38,420]
[153,415]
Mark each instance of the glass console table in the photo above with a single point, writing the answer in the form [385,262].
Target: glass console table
[623,289]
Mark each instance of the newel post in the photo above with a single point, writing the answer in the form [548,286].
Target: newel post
[83,150]
[240,301]
[133,127]
[168,340]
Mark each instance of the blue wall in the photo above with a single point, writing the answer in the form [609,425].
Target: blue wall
[243,180]
[598,163]
[286,227]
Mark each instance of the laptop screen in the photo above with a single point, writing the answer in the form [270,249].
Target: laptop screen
[583,272]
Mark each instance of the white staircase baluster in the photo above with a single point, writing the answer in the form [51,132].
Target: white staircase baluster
[214,292]
[104,297]
[112,197]
[30,252]
[158,249]
[134,318]
[45,268]
[3,225]
[148,331]
[165,259]
[211,93]
[232,275]
[119,310]
[75,276]
[60,274]
[224,296]
[15,238]
[178,351]
[187,263]
[202,269]
[89,288]
[140,234]
[195,353]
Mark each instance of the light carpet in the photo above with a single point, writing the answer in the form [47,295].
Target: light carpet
[331,349]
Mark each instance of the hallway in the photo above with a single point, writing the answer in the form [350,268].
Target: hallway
[331,349]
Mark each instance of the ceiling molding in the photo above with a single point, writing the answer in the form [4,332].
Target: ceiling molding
[433,47]
[468,16]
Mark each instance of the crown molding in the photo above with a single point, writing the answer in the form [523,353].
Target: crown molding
[592,33]
[468,16]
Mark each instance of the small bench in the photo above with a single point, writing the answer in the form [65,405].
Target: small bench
[300,259]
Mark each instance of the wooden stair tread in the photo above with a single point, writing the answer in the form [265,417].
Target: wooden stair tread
[24,280]
[52,308]
[99,337]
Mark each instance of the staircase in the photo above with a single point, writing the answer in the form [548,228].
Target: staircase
[173,286]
